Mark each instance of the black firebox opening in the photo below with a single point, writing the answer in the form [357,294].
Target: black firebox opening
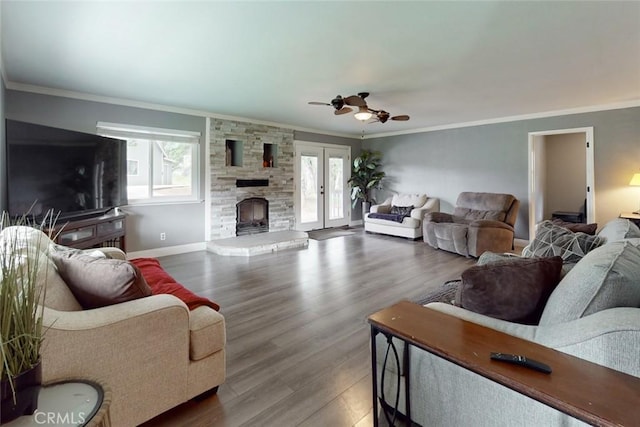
[252,216]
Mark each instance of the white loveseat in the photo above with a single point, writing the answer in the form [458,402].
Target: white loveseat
[411,225]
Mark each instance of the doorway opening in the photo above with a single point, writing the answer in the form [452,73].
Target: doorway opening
[561,175]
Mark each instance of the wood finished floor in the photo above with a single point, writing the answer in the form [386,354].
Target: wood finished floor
[297,336]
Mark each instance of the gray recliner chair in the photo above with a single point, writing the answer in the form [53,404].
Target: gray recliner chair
[480,222]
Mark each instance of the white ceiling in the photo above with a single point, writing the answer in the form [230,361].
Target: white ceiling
[439,62]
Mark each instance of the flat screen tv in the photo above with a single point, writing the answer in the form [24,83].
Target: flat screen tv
[74,174]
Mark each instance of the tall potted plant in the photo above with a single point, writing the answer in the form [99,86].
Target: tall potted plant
[365,177]
[21,326]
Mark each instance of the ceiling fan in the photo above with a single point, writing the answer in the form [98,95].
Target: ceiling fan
[364,112]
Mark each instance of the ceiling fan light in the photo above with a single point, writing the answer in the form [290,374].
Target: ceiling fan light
[363,114]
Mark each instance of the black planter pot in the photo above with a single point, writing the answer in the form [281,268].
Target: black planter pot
[366,207]
[27,386]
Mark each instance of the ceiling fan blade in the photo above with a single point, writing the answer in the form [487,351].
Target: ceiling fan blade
[343,110]
[318,103]
[401,118]
[355,101]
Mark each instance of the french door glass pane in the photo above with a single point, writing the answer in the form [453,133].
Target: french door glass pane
[335,188]
[308,188]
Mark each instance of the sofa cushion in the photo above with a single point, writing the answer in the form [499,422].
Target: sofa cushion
[618,229]
[407,222]
[474,214]
[554,240]
[606,277]
[403,199]
[97,281]
[206,332]
[514,289]
[493,206]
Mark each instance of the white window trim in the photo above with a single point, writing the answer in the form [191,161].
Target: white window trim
[125,131]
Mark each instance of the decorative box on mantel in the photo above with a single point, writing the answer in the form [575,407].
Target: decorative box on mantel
[261,155]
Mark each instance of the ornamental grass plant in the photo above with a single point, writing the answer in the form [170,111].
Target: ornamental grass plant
[21,292]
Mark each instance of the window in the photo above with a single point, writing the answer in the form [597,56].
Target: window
[132,166]
[162,164]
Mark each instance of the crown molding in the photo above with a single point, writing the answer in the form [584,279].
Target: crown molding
[554,113]
[160,107]
[202,113]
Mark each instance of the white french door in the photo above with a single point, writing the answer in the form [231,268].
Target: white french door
[321,187]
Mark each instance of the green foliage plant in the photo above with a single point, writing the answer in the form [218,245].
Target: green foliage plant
[21,293]
[365,176]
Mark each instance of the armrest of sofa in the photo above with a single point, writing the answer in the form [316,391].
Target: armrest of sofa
[106,339]
[438,217]
[384,207]
[432,205]
[138,348]
[111,252]
[105,316]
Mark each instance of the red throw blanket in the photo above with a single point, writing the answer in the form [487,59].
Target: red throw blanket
[161,283]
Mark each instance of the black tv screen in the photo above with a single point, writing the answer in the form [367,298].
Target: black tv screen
[71,173]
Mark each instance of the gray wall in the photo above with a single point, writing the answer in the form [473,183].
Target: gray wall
[183,223]
[493,158]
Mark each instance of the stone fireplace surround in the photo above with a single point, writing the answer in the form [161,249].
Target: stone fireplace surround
[225,194]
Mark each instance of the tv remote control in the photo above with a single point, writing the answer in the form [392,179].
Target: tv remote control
[522,361]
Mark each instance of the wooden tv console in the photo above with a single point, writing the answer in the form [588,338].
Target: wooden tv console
[100,231]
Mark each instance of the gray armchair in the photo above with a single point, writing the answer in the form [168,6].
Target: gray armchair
[480,222]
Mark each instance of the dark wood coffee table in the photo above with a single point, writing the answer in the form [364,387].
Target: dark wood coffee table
[592,393]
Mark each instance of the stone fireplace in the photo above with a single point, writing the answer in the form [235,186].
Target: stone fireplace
[252,216]
[239,172]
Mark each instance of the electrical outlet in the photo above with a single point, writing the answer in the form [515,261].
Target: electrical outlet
[163,236]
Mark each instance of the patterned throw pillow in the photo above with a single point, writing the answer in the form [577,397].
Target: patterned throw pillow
[552,240]
[401,210]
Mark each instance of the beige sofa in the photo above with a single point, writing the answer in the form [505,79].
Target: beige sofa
[410,226]
[152,352]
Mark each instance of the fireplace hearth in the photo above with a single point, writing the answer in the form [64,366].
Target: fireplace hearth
[252,216]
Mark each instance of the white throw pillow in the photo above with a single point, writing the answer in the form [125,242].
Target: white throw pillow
[415,200]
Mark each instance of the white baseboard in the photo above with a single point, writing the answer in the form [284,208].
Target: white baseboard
[356,223]
[169,250]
